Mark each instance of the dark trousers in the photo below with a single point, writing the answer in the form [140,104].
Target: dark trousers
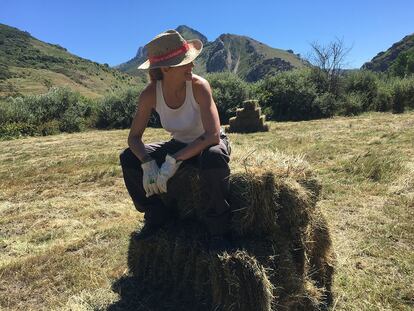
[214,176]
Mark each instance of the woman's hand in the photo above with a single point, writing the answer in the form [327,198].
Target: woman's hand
[149,180]
[168,169]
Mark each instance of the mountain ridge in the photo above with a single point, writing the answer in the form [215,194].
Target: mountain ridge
[31,66]
[250,59]
[385,59]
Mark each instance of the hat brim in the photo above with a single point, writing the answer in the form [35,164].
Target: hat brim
[195,48]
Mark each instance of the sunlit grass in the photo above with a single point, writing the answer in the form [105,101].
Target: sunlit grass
[65,215]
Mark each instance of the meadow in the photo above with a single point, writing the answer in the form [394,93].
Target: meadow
[66,217]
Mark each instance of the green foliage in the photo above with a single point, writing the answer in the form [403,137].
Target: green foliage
[58,110]
[384,100]
[351,104]
[16,129]
[403,94]
[327,104]
[404,64]
[293,96]
[363,83]
[229,92]
[117,110]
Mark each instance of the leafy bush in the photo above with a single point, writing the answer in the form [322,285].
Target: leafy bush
[365,84]
[402,94]
[117,110]
[403,65]
[15,129]
[292,96]
[327,103]
[351,104]
[384,101]
[40,114]
[229,92]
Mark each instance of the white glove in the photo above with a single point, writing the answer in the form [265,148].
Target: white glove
[167,170]
[149,179]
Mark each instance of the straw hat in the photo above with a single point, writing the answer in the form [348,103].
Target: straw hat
[170,49]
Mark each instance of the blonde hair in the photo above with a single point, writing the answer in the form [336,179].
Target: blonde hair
[155,74]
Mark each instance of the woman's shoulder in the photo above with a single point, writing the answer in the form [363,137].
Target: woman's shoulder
[200,85]
[148,94]
[201,89]
[199,81]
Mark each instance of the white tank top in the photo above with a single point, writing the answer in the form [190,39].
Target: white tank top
[184,123]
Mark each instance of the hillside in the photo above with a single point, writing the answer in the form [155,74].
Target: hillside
[248,58]
[30,66]
[384,60]
[66,216]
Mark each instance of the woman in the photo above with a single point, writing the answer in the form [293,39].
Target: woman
[186,108]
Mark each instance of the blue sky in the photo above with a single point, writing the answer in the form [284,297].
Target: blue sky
[111,31]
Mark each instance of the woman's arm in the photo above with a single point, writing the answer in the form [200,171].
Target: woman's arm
[146,103]
[209,118]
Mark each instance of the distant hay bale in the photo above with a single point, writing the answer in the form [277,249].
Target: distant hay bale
[248,119]
[283,257]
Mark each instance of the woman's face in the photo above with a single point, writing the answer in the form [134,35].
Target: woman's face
[181,72]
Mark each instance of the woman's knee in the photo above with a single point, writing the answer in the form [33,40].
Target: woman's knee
[214,157]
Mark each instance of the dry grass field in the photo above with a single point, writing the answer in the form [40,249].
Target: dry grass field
[65,215]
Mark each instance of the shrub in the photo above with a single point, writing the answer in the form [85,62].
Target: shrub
[327,104]
[351,104]
[15,129]
[291,96]
[40,114]
[118,109]
[402,94]
[383,101]
[229,92]
[365,84]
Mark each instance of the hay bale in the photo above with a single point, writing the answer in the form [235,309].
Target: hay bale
[180,269]
[250,104]
[248,119]
[283,257]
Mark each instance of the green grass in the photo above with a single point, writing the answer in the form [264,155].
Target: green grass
[65,215]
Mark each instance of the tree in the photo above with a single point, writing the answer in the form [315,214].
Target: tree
[329,60]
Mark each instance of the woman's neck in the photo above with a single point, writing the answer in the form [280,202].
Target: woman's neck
[172,85]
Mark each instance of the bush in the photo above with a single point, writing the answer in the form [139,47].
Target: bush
[365,84]
[383,101]
[117,110]
[351,104]
[229,92]
[15,129]
[402,94]
[292,96]
[42,113]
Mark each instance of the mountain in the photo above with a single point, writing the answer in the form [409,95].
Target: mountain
[248,58]
[385,60]
[30,66]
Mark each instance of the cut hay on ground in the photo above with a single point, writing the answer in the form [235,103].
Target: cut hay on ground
[282,257]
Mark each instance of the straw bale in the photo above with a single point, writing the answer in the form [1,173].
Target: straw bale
[239,282]
[251,104]
[179,267]
[282,257]
[242,114]
[321,258]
